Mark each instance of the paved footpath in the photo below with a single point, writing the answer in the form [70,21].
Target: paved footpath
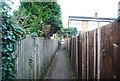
[61,70]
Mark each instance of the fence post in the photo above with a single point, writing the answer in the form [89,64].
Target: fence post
[77,54]
[98,53]
[94,54]
[83,72]
[84,58]
[87,56]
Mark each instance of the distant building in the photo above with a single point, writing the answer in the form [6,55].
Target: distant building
[85,24]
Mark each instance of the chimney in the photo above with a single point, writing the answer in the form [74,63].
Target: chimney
[96,14]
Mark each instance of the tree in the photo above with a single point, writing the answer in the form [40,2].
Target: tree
[28,20]
[67,32]
[51,14]
[44,17]
[20,18]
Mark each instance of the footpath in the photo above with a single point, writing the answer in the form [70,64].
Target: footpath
[60,67]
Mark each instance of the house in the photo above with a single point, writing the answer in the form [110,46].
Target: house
[85,24]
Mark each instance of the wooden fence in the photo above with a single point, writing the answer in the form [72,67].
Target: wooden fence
[96,54]
[34,56]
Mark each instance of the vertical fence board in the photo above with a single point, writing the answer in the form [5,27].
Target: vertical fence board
[98,52]
[102,52]
[74,55]
[80,57]
[95,57]
[84,58]
[87,55]
[77,55]
[116,46]
[91,54]
[110,51]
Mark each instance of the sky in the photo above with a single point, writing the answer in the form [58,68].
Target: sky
[104,8]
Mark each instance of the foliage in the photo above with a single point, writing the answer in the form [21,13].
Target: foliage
[42,14]
[29,21]
[51,14]
[118,19]
[67,32]
[10,35]
[21,18]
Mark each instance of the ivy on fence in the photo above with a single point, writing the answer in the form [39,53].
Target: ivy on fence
[10,35]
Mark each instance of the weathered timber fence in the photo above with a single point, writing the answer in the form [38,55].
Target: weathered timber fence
[96,54]
[34,56]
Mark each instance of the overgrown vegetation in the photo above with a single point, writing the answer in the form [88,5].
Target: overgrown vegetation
[11,33]
[39,18]
[67,32]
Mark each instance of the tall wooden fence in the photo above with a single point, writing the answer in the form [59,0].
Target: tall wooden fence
[96,54]
[34,56]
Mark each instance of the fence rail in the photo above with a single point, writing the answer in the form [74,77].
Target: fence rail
[96,54]
[34,56]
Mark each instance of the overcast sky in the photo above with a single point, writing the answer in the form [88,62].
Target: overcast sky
[104,8]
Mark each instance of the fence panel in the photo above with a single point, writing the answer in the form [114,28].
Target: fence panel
[34,57]
[95,54]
